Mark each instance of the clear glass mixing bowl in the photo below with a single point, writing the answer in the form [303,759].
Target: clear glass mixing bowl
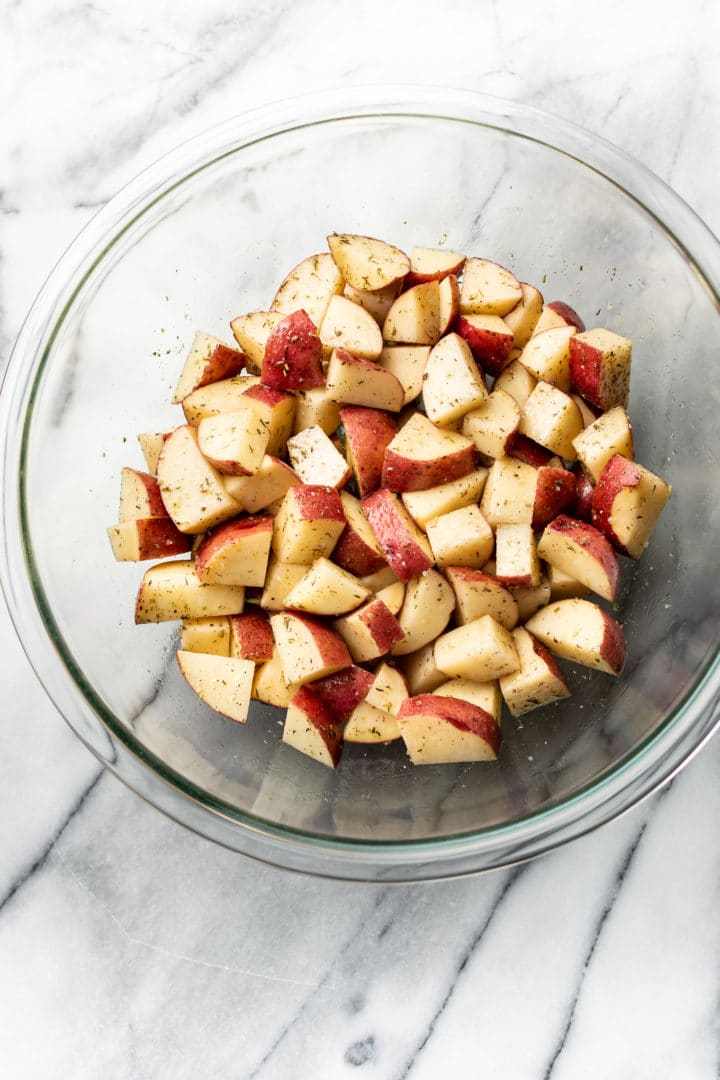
[207,233]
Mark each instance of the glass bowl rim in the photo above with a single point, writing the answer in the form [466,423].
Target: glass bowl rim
[634,777]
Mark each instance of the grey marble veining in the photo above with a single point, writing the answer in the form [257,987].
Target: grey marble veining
[134,950]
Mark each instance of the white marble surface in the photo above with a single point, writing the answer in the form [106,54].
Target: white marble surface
[132,949]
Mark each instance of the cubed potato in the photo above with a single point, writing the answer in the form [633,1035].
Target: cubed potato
[552,418]
[481,650]
[461,538]
[493,426]
[516,558]
[538,681]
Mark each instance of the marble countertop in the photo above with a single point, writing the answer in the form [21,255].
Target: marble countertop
[134,950]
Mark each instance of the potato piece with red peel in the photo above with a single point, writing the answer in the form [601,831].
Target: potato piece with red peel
[208,361]
[516,557]
[557,313]
[626,504]
[222,682]
[478,594]
[367,724]
[388,689]
[218,397]
[308,524]
[407,364]
[207,635]
[509,493]
[380,580]
[431,503]
[516,381]
[350,327]
[309,287]
[311,728]
[367,434]
[563,586]
[488,288]
[490,340]
[392,596]
[415,317]
[140,496]
[172,590]
[538,681]
[275,410]
[427,606]
[236,553]
[439,730]
[151,443]
[481,650]
[325,589]
[580,631]
[234,442]
[376,303]
[308,648]
[600,363]
[588,412]
[547,356]
[357,550]
[354,381]
[316,460]
[251,637]
[369,632]
[270,685]
[494,425]
[366,263]
[529,599]
[530,452]
[147,538]
[344,690]
[421,671]
[552,418]
[554,492]
[452,384]
[584,491]
[421,455]
[523,318]
[485,695]
[433,264]
[313,408]
[192,490]
[270,482]
[251,331]
[583,552]
[293,354]
[605,437]
[461,538]
[404,546]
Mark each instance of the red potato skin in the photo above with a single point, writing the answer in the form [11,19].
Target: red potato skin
[586,375]
[403,474]
[343,691]
[222,363]
[159,537]
[567,313]
[461,714]
[527,450]
[403,554]
[549,660]
[619,473]
[267,395]
[584,491]
[154,505]
[415,278]
[227,533]
[253,635]
[293,355]
[353,554]
[312,706]
[614,647]
[333,650]
[555,491]
[491,350]
[593,541]
[367,432]
[382,624]
[317,502]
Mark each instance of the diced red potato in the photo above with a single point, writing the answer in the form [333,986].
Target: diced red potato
[292,359]
[367,263]
[270,685]
[530,599]
[380,580]
[392,596]
[516,381]
[354,381]
[524,449]
[421,455]
[326,589]
[407,364]
[404,546]
[600,367]
[415,317]
[557,313]
[582,552]
[478,593]
[516,557]
[151,443]
[375,719]
[376,303]
[222,682]
[275,409]
[269,483]
[626,504]
[430,264]
[523,318]
[485,695]
[438,730]
[208,361]
[309,286]
[584,490]
[547,356]
[481,650]
[311,728]
[233,442]
[488,288]
[192,490]
[452,384]
[316,460]
[552,418]
[510,493]
[449,294]
[588,413]
[147,538]
[218,397]
[140,496]
[538,680]
[490,340]
[425,505]
[605,437]
[207,635]
[251,331]
[350,327]
[421,671]
[580,631]
[357,550]
[344,690]
[368,432]
[251,637]
[313,408]
[461,538]
[308,648]
[494,425]
[236,553]
[369,632]
[308,525]
[563,586]
[172,590]
[555,491]
[427,606]
[280,579]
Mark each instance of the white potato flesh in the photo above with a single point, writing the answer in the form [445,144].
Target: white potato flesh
[452,383]
[193,491]
[415,317]
[610,434]
[356,382]
[516,557]
[516,381]
[493,425]
[547,356]
[222,682]
[316,459]
[151,443]
[309,650]
[552,418]
[580,631]
[421,670]
[461,538]
[478,594]
[280,579]
[376,303]
[427,607]
[233,442]
[208,635]
[388,690]
[349,326]
[313,408]
[538,681]
[308,287]
[407,364]
[367,263]
[485,695]
[481,650]
[218,397]
[523,318]
[529,599]
[251,332]
[431,503]
[392,596]
[325,589]
[369,724]
[172,590]
[488,289]
[269,483]
[270,685]
[509,493]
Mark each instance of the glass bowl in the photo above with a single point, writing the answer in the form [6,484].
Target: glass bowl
[207,233]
